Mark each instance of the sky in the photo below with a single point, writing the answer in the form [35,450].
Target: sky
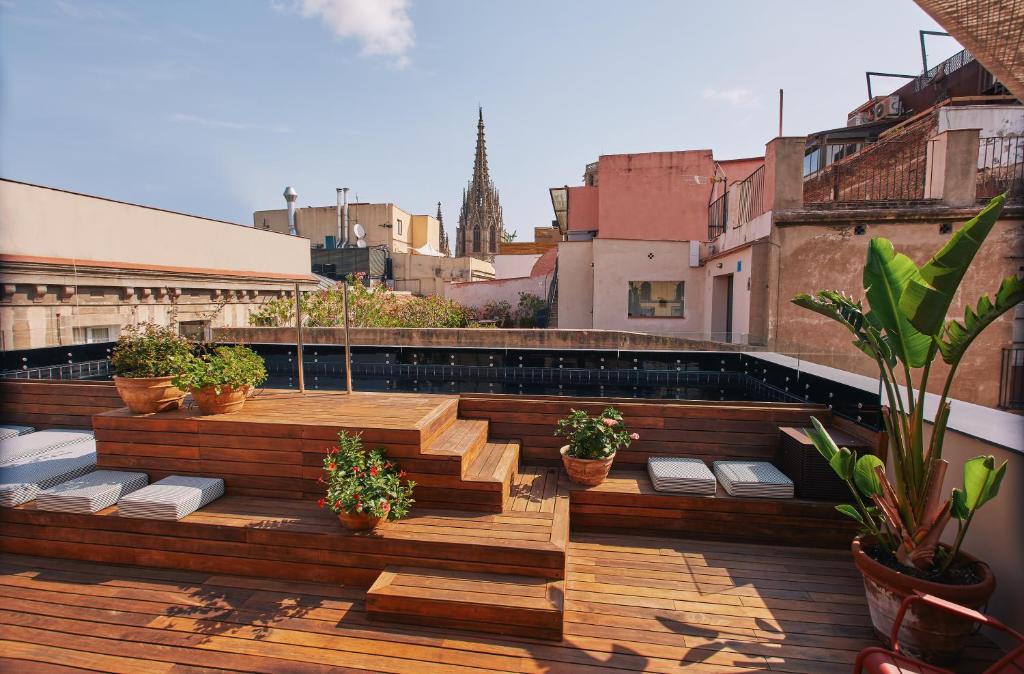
[213,107]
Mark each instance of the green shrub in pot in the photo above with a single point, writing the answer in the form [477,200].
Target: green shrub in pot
[221,379]
[146,358]
[904,329]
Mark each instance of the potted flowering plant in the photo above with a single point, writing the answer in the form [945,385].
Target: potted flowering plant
[593,442]
[903,514]
[363,488]
[220,381]
[146,358]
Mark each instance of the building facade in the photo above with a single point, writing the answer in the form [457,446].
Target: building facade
[481,224]
[385,225]
[76,268]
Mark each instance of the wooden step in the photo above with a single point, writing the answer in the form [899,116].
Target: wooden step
[480,602]
[484,487]
[457,446]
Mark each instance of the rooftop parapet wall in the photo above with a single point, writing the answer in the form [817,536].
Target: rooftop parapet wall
[474,338]
[53,226]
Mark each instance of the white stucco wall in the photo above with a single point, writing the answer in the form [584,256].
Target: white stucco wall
[575,284]
[514,266]
[737,263]
[617,262]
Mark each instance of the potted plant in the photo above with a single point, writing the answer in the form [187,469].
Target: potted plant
[904,330]
[221,380]
[363,488]
[593,442]
[145,359]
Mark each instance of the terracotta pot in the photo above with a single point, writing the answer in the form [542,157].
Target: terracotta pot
[230,399]
[926,633]
[146,395]
[589,472]
[359,521]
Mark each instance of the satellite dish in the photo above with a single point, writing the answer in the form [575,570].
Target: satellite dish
[359,231]
[360,243]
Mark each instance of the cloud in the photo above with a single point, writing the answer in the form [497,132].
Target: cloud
[382,26]
[739,97]
[186,118]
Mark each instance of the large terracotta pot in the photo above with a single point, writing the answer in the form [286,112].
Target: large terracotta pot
[146,395]
[589,472]
[926,633]
[359,521]
[229,400]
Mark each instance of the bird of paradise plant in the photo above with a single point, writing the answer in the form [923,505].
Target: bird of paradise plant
[904,329]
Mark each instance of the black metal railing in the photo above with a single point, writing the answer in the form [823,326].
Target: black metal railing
[751,201]
[718,215]
[1011,382]
[1001,166]
[893,169]
[944,69]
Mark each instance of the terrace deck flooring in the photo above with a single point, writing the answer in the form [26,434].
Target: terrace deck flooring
[631,604]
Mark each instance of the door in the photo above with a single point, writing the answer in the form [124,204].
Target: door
[728,310]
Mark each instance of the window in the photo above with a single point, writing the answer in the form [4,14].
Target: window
[96,334]
[492,240]
[476,239]
[399,227]
[655,299]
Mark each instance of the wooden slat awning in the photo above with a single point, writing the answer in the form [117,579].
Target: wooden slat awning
[992,30]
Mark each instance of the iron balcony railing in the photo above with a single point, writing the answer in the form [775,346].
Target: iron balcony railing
[1001,166]
[893,169]
[718,215]
[1011,383]
[90,369]
[751,197]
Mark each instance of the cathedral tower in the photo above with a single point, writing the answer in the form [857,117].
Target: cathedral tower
[481,225]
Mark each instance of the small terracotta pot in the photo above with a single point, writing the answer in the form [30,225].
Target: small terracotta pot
[589,472]
[229,400]
[359,521]
[927,633]
[146,395]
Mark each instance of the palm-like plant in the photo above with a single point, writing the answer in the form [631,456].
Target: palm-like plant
[903,331]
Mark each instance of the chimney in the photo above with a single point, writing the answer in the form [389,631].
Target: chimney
[343,216]
[290,195]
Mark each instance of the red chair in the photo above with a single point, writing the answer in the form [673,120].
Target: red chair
[877,660]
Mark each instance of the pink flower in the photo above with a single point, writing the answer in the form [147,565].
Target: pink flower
[321,502]
[332,465]
[385,507]
[634,436]
[609,422]
[373,471]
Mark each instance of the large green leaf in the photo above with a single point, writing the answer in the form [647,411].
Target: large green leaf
[850,511]
[844,310]
[843,462]
[865,476]
[958,505]
[886,276]
[926,299]
[981,480]
[821,440]
[958,336]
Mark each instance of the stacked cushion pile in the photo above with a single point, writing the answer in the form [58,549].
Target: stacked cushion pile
[681,475]
[90,493]
[753,478]
[171,498]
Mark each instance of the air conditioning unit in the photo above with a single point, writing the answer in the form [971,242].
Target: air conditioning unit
[858,119]
[888,106]
[695,253]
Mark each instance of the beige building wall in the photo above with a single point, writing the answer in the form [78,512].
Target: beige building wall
[816,257]
[575,284]
[618,262]
[717,270]
[76,268]
[55,225]
[385,224]
[426,230]
[428,274]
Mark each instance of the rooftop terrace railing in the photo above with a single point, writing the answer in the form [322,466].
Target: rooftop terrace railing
[1001,166]
[90,369]
[718,215]
[751,201]
[893,169]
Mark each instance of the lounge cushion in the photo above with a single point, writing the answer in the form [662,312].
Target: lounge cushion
[20,481]
[90,493]
[171,498]
[18,448]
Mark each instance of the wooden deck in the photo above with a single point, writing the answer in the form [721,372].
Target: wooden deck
[632,604]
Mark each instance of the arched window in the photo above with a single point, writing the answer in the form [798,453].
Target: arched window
[492,240]
[476,238]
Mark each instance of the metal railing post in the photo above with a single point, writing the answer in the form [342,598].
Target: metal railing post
[348,347]
[298,338]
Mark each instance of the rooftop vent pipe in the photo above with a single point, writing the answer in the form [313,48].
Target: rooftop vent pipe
[343,216]
[290,195]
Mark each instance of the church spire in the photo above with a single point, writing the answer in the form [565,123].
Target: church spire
[443,242]
[480,225]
